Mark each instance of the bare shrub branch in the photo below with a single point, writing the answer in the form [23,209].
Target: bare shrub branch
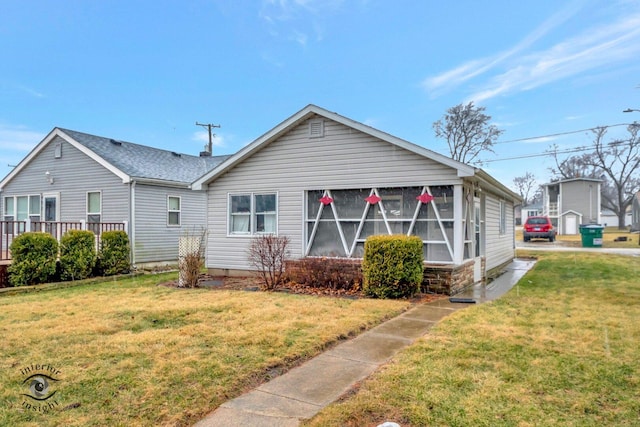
[267,254]
[191,257]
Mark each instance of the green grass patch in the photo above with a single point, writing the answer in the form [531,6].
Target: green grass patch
[132,353]
[561,348]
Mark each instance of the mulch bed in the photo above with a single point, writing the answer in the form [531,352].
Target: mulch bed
[253,284]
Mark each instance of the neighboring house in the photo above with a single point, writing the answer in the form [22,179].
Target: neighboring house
[327,182]
[572,202]
[610,219]
[531,210]
[72,176]
[635,213]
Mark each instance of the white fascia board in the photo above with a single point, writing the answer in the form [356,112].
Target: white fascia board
[497,186]
[56,132]
[462,169]
[159,182]
[24,162]
[250,149]
[120,174]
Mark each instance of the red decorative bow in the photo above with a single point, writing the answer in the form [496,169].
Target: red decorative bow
[373,199]
[425,197]
[326,200]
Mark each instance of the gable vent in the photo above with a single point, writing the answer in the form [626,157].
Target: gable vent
[316,128]
[114,142]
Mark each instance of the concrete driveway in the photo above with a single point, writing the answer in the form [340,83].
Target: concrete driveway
[543,245]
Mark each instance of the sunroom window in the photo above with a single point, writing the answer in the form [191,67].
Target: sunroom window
[339,221]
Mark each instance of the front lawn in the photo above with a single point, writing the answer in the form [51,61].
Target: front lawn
[129,352]
[560,349]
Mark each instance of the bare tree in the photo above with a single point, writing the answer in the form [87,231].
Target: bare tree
[467,131]
[616,162]
[268,254]
[526,186]
[572,167]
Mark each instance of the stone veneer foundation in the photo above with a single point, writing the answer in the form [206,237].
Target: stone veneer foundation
[438,278]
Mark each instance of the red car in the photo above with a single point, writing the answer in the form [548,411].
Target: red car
[538,227]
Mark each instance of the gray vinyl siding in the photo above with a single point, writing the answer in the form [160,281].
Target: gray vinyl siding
[343,159]
[74,174]
[582,197]
[499,247]
[155,240]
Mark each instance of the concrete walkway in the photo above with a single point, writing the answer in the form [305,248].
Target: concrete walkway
[303,391]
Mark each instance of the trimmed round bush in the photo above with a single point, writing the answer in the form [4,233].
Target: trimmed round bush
[77,254]
[392,266]
[115,253]
[34,258]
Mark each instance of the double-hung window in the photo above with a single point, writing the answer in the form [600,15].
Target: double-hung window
[20,208]
[253,213]
[173,210]
[94,206]
[9,209]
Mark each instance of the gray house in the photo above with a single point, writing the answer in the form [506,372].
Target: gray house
[572,202]
[76,177]
[327,182]
[635,212]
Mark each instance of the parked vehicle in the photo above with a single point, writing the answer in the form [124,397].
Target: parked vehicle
[538,227]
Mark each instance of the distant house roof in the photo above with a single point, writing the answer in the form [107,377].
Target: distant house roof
[561,181]
[130,161]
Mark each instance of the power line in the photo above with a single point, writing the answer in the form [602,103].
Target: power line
[551,153]
[562,133]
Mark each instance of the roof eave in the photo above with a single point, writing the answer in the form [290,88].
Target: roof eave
[462,169]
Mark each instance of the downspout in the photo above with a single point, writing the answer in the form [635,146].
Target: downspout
[458,231]
[132,216]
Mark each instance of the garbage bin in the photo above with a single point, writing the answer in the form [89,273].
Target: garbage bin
[591,235]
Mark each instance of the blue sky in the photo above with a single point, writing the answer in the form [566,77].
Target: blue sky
[146,71]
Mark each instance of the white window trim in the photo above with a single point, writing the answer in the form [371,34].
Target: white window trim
[252,214]
[169,210]
[87,205]
[14,214]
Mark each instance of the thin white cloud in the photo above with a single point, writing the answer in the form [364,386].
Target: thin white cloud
[520,69]
[290,19]
[18,138]
[592,49]
[473,68]
[203,137]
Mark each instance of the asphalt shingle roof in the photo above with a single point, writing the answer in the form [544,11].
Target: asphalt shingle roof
[141,161]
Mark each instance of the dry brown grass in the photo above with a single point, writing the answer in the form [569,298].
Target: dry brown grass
[133,353]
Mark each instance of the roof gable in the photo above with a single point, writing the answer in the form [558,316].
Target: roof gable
[127,160]
[309,111]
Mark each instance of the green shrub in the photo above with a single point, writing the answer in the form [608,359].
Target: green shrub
[34,258]
[77,254]
[392,266]
[115,253]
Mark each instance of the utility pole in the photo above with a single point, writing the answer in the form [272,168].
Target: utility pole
[209,126]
